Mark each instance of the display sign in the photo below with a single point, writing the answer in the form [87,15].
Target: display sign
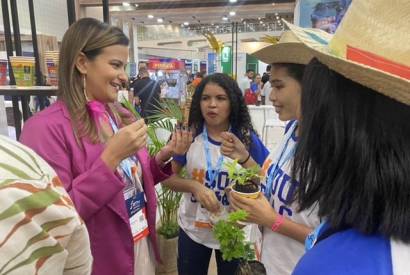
[165,64]
[226,60]
[322,14]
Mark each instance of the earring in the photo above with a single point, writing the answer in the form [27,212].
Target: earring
[85,89]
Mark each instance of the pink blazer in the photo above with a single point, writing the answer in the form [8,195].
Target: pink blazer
[96,191]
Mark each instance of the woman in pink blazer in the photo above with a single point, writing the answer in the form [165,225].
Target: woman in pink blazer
[100,156]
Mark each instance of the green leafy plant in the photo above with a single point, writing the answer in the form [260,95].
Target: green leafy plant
[168,201]
[166,109]
[242,175]
[232,238]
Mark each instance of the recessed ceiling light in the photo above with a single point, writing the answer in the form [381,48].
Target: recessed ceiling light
[136,5]
[186,23]
[273,4]
[150,16]
[232,13]
[125,4]
[232,1]
[160,20]
[224,18]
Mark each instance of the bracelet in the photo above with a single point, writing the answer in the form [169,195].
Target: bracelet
[243,162]
[278,222]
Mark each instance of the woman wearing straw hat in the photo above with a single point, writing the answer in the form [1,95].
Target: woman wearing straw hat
[353,156]
[284,228]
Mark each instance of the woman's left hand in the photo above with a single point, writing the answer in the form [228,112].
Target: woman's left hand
[259,210]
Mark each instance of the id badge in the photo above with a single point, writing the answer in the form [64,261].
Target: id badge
[138,216]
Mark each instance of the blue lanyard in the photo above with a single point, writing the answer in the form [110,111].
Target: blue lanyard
[212,172]
[281,161]
[125,164]
[311,239]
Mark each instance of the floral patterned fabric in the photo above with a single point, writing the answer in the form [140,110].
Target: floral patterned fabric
[40,230]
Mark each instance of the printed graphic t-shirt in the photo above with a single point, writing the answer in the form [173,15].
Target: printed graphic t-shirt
[281,253]
[190,210]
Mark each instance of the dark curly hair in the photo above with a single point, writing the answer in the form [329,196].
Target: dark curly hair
[239,117]
[353,155]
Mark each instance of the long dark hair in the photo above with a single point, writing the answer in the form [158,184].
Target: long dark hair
[239,117]
[353,156]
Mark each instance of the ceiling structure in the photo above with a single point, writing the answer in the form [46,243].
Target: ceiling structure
[198,12]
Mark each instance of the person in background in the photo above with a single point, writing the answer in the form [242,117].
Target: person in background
[148,91]
[217,110]
[198,78]
[99,150]
[257,88]
[245,82]
[266,87]
[41,232]
[284,228]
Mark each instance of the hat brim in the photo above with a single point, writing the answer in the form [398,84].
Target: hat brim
[383,82]
[290,52]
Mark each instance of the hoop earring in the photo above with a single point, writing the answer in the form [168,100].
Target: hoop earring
[85,89]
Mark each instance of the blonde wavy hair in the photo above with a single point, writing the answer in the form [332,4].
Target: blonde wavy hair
[88,36]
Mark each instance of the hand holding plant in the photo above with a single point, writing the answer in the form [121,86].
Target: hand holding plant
[259,210]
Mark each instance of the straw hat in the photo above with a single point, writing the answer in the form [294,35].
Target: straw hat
[371,46]
[289,49]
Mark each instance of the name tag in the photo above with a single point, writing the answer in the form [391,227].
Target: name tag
[135,204]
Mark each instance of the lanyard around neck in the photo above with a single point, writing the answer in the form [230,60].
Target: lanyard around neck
[125,164]
[284,156]
[212,171]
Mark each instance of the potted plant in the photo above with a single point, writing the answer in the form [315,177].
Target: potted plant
[245,180]
[168,229]
[234,246]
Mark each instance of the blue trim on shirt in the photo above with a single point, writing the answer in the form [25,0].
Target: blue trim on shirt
[348,252]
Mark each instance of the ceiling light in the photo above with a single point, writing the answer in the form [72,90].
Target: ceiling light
[273,4]
[224,18]
[136,5]
[232,13]
[276,13]
[232,1]
[260,22]
[125,4]
[150,16]
[160,20]
[186,23]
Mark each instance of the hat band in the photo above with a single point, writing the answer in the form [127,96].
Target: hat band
[377,62]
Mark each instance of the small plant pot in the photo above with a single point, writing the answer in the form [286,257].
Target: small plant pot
[168,250]
[250,268]
[248,190]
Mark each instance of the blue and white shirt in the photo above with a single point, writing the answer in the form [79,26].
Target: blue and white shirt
[351,252]
[192,218]
[281,253]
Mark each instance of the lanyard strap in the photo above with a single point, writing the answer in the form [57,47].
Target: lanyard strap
[284,156]
[212,172]
[125,164]
[311,239]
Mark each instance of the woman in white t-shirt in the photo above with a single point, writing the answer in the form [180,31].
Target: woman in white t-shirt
[284,229]
[217,109]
